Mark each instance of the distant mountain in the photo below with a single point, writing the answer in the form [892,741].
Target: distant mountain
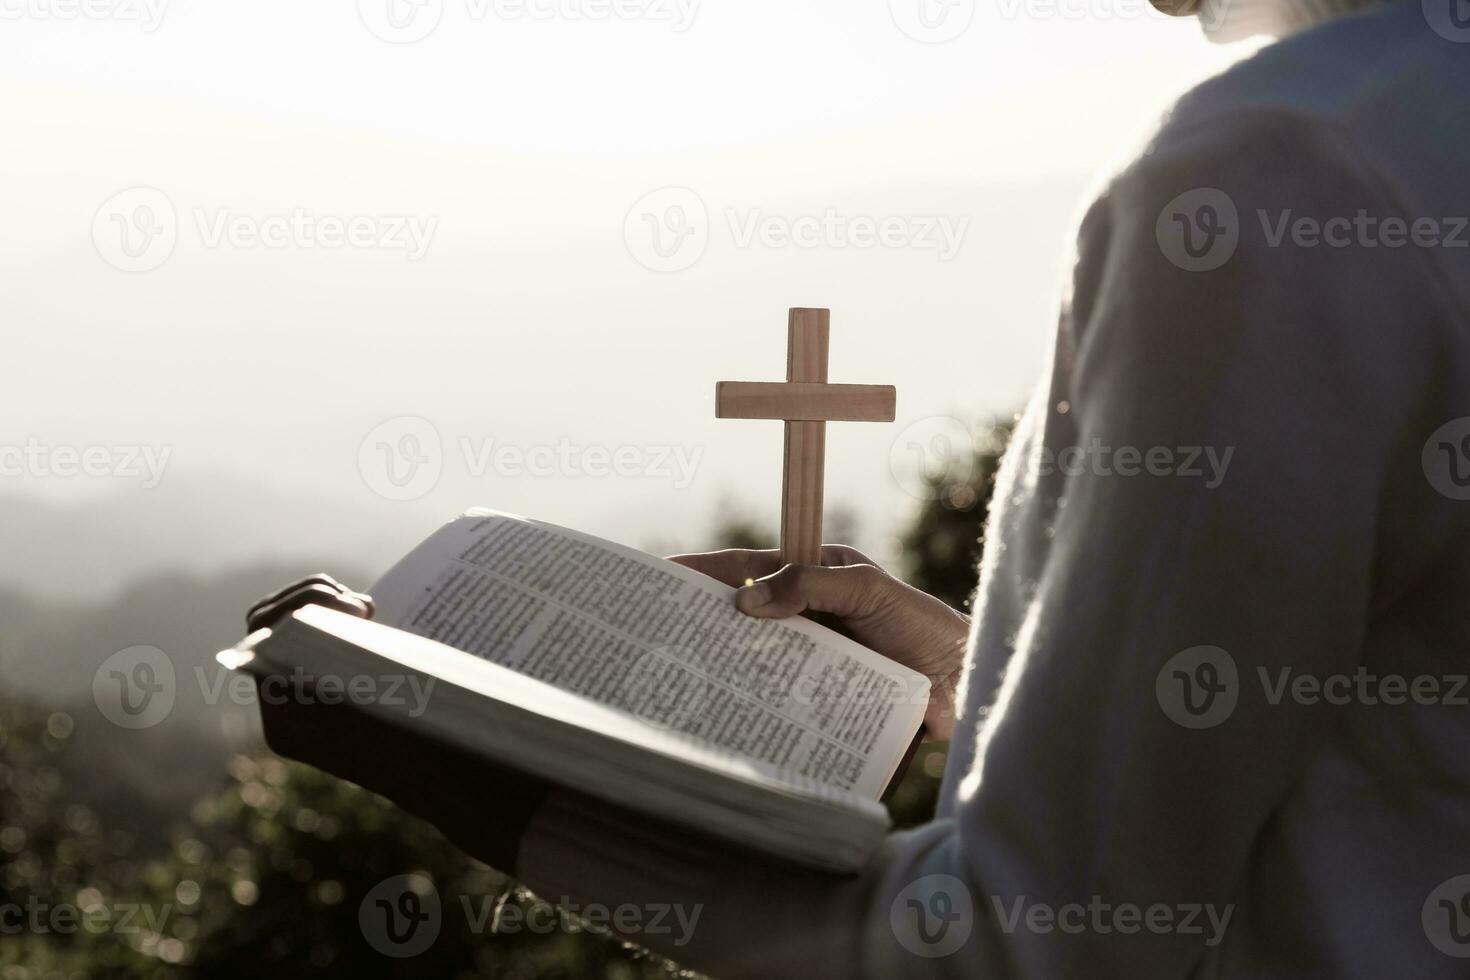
[50,652]
[92,550]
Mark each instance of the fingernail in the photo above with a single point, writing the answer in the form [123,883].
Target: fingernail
[752,597]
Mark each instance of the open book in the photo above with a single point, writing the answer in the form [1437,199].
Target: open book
[628,678]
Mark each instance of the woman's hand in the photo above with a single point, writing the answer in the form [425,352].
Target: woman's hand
[319,589]
[482,807]
[874,608]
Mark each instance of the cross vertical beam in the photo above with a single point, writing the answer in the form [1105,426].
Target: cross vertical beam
[805,402]
[807,333]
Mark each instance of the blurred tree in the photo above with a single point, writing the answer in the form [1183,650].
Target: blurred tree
[267,876]
[941,547]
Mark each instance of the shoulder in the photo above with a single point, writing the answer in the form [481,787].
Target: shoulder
[1362,116]
[1357,73]
[1273,210]
[1382,93]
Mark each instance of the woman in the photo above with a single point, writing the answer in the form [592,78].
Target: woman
[1185,740]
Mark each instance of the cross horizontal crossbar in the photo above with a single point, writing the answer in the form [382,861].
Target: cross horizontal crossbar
[797,401]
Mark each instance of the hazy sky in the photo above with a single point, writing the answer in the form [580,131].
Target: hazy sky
[249,234]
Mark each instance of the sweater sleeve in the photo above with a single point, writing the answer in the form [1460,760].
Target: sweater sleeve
[1191,505]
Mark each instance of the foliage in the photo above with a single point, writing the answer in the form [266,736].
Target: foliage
[266,876]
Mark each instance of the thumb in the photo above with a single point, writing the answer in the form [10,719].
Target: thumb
[845,590]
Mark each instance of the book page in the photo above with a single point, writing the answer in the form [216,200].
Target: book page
[658,641]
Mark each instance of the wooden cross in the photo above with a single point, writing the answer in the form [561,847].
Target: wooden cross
[806,403]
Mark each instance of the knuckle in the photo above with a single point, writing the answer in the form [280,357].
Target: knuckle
[841,554]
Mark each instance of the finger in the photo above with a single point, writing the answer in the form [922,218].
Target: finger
[351,603]
[841,554]
[740,566]
[848,590]
[733,566]
[317,578]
